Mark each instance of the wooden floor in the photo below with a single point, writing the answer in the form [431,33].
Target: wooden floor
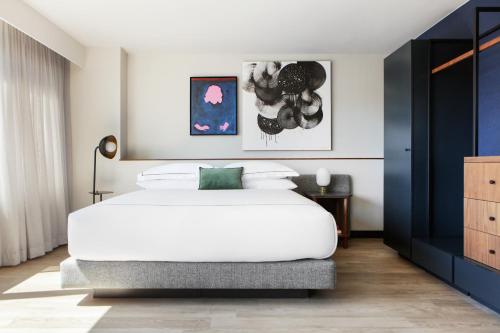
[377,292]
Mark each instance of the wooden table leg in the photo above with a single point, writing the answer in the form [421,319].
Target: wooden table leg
[338,217]
[345,226]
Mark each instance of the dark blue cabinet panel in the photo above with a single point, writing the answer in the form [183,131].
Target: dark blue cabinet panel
[405,144]
[397,149]
[481,283]
[433,259]
[451,138]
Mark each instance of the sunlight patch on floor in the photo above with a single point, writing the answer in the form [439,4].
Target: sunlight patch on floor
[43,281]
[39,301]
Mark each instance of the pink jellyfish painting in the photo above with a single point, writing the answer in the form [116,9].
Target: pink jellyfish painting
[213,106]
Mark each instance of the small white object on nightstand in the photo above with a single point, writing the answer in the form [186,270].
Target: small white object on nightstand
[322,179]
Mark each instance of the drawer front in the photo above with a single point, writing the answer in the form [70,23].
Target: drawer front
[482,181]
[482,216]
[482,247]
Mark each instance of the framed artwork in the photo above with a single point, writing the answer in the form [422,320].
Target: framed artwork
[287,105]
[213,106]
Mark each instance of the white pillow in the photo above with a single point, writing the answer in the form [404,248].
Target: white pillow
[169,184]
[269,184]
[173,171]
[261,170]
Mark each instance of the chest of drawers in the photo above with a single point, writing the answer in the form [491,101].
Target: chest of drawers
[482,210]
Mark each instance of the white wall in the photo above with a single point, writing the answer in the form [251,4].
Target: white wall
[95,104]
[158,105]
[158,91]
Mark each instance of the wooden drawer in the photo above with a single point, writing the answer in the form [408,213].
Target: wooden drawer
[482,216]
[482,247]
[482,181]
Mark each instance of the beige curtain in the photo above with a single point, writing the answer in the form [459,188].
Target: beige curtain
[33,183]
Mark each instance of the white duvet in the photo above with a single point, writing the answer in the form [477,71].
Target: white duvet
[203,226]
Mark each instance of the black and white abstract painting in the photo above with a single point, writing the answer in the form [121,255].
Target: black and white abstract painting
[287,105]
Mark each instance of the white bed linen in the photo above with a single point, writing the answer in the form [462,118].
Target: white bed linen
[203,226]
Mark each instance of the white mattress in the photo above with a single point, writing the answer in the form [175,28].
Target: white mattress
[203,226]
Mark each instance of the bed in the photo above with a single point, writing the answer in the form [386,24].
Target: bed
[189,239]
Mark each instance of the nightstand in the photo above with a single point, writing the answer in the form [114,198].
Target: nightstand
[100,193]
[332,201]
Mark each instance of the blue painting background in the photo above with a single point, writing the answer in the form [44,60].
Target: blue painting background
[210,114]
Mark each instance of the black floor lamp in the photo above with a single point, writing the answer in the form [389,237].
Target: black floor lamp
[107,147]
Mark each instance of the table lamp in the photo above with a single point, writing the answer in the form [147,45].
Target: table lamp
[323,180]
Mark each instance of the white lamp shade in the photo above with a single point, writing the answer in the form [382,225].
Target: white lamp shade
[323,177]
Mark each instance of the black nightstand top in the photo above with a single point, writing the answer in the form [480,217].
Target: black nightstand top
[100,192]
[327,195]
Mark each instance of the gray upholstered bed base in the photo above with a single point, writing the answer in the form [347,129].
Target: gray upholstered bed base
[300,274]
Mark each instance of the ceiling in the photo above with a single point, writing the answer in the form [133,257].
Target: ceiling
[246,26]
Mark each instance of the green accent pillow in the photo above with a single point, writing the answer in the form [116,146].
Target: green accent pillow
[220,178]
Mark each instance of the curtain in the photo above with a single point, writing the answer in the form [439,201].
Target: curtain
[33,175]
